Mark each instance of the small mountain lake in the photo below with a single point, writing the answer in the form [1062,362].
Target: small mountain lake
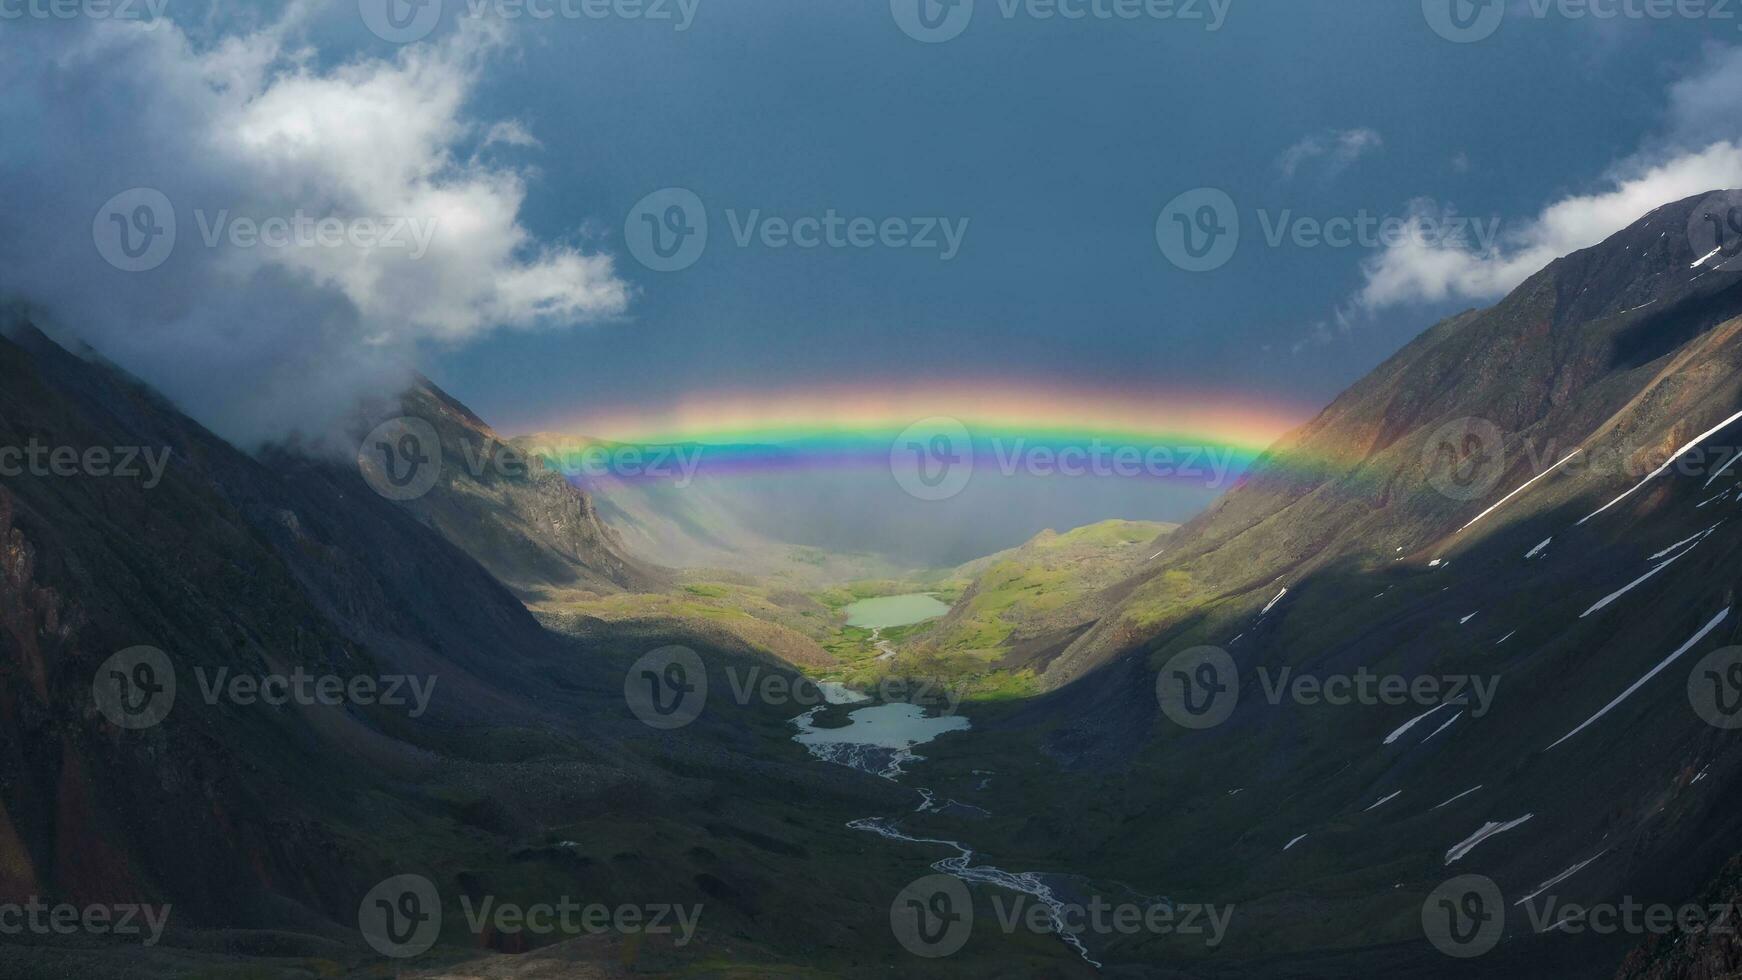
[885,612]
[879,738]
[893,725]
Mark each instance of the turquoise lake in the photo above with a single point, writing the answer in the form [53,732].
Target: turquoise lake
[895,610]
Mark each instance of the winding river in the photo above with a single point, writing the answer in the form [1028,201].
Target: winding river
[880,739]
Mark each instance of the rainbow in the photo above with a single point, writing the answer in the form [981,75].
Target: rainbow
[838,427]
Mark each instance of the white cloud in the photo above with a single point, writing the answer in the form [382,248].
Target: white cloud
[1707,104]
[1418,269]
[1332,151]
[259,342]
[1701,151]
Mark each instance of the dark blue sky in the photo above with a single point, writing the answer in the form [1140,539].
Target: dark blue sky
[1059,141]
[1050,145]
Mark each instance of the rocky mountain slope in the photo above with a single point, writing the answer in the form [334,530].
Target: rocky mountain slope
[1622,352]
[494,757]
[1532,506]
[514,512]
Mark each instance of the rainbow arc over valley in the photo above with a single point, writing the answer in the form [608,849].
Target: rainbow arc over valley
[834,427]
